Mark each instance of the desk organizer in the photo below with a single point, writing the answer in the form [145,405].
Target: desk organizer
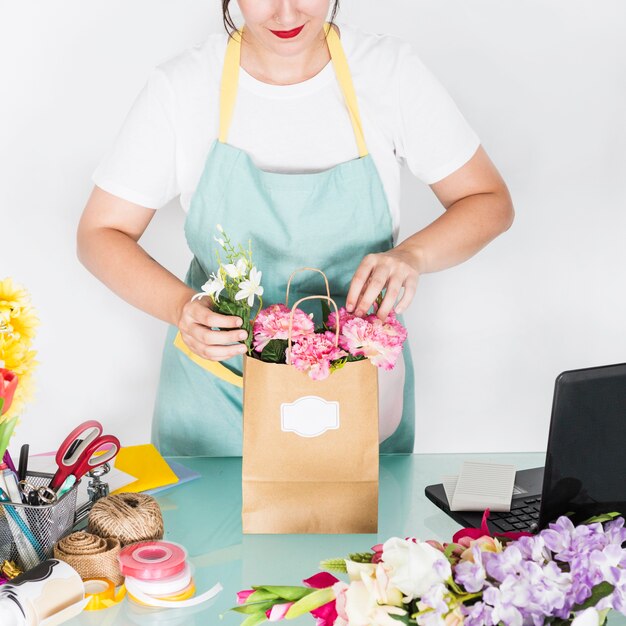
[47,523]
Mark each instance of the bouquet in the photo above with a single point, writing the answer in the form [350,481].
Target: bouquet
[17,360]
[314,350]
[565,574]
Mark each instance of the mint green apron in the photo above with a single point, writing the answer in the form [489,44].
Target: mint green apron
[329,220]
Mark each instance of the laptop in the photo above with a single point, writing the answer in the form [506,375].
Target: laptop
[585,470]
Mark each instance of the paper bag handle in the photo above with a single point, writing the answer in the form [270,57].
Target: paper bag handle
[306,269]
[295,306]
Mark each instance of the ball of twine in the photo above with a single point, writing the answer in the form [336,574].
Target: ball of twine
[129,517]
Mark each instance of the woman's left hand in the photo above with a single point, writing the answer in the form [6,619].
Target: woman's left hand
[395,271]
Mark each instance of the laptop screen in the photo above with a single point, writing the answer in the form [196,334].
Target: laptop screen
[585,471]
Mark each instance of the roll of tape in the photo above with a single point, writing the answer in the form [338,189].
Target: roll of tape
[167,586]
[185,594]
[152,560]
[101,594]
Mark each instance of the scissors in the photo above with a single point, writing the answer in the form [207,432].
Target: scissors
[36,495]
[77,454]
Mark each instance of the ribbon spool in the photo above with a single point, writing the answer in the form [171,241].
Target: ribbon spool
[158,575]
[187,593]
[128,517]
[152,560]
[101,594]
[91,556]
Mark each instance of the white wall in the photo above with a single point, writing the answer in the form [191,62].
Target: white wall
[541,82]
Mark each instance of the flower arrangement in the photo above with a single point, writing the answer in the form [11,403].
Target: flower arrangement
[17,360]
[240,281]
[314,350]
[565,574]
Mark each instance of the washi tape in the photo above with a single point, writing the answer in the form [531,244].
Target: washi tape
[152,560]
[166,587]
[101,594]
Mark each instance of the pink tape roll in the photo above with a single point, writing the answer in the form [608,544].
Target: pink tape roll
[152,560]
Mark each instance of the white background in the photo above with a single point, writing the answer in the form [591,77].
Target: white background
[542,82]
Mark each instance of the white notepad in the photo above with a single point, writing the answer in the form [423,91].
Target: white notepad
[481,486]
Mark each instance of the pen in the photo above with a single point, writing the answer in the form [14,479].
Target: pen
[23,463]
[20,531]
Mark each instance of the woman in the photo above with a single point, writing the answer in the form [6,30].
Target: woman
[295,105]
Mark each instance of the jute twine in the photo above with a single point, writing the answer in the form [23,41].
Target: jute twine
[129,517]
[91,556]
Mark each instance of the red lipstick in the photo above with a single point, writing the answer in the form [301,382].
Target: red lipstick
[288,34]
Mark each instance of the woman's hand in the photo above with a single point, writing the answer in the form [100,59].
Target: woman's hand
[196,323]
[395,270]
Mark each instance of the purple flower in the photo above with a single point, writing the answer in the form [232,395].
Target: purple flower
[471,575]
[479,614]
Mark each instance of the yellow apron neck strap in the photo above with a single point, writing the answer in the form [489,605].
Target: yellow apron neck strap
[230,82]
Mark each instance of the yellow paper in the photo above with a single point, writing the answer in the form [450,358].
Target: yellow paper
[147,465]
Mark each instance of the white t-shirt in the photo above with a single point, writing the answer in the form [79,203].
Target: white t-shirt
[407,116]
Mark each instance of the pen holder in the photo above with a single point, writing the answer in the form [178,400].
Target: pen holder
[27,532]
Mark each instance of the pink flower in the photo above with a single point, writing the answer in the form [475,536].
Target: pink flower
[273,323]
[325,615]
[379,341]
[242,596]
[344,316]
[313,354]
[278,611]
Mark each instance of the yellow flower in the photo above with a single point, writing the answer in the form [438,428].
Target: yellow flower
[18,322]
[17,317]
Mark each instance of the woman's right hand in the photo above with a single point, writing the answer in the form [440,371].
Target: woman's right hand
[196,325]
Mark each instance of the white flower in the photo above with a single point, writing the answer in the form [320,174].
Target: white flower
[236,270]
[219,228]
[412,566]
[250,287]
[213,287]
[362,607]
[219,240]
[588,617]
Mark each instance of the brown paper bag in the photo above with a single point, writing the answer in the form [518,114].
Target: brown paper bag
[310,448]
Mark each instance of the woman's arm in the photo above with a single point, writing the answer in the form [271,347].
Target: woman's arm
[107,245]
[478,209]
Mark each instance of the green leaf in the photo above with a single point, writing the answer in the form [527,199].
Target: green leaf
[313,601]
[334,565]
[606,517]
[274,351]
[254,620]
[261,595]
[598,592]
[325,312]
[403,619]
[290,594]
[361,557]
[252,608]
[1,405]
[338,364]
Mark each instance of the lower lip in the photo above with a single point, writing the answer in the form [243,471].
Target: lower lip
[288,34]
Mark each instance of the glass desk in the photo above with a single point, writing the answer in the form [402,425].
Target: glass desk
[204,515]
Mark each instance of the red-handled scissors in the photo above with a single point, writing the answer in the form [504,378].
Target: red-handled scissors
[78,453]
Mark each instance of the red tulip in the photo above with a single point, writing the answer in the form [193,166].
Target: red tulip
[8,385]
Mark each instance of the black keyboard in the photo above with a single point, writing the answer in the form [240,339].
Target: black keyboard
[523,516]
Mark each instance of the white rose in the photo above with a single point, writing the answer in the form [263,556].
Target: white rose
[412,565]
